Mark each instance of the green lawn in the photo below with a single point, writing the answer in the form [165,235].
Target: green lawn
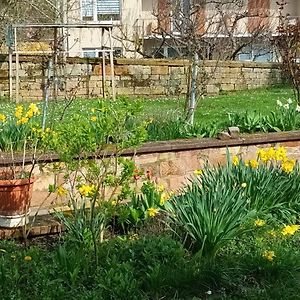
[211,114]
[216,108]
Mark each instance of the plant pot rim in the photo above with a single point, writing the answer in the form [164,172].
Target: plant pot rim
[19,181]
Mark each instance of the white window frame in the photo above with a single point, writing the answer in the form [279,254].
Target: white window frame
[95,13]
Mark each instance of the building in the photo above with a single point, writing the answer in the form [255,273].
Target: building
[146,26]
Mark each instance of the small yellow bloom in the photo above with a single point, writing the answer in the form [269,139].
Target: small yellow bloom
[271,153]
[259,223]
[61,191]
[152,212]
[280,154]
[290,229]
[253,163]
[27,258]
[22,120]
[93,118]
[134,237]
[87,190]
[272,233]
[247,162]
[19,111]
[198,172]
[160,188]
[244,185]
[2,118]
[113,202]
[164,198]
[269,255]
[34,109]
[262,155]
[235,160]
[287,166]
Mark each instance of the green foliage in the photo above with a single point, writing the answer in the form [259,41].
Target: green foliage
[208,216]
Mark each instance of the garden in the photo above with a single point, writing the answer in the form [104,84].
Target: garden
[232,232]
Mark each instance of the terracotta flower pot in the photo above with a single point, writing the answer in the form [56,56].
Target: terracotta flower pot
[15,197]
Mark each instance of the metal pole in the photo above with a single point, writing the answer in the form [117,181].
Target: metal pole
[192,104]
[10,66]
[103,65]
[17,67]
[112,69]
[47,86]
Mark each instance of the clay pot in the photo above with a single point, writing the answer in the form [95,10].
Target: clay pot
[15,198]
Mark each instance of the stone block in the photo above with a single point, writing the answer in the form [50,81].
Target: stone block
[121,70]
[159,70]
[227,87]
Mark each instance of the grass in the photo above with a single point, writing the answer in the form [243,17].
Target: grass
[216,108]
[211,108]
[211,116]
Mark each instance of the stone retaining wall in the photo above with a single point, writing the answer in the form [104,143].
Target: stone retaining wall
[172,163]
[140,77]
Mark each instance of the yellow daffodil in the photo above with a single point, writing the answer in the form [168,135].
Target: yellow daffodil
[164,198]
[160,188]
[152,212]
[87,190]
[61,191]
[198,172]
[271,153]
[253,163]
[259,222]
[269,255]
[287,166]
[290,229]
[280,154]
[19,111]
[2,118]
[93,118]
[235,160]
[22,120]
[33,107]
[262,155]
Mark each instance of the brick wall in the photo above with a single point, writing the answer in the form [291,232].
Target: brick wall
[83,77]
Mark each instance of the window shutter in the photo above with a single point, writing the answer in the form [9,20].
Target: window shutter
[200,16]
[258,14]
[164,15]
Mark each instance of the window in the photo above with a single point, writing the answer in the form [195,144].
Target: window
[97,52]
[256,53]
[100,10]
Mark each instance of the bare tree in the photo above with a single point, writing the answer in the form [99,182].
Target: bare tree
[288,45]
[209,29]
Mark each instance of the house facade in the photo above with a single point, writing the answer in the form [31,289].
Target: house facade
[145,26]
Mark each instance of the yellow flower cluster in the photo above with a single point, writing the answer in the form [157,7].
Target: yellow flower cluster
[22,118]
[235,161]
[269,255]
[2,118]
[290,229]
[152,212]
[87,190]
[61,191]
[277,155]
[259,223]
[165,197]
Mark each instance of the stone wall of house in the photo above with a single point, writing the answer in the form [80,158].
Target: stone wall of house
[83,77]
[172,163]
